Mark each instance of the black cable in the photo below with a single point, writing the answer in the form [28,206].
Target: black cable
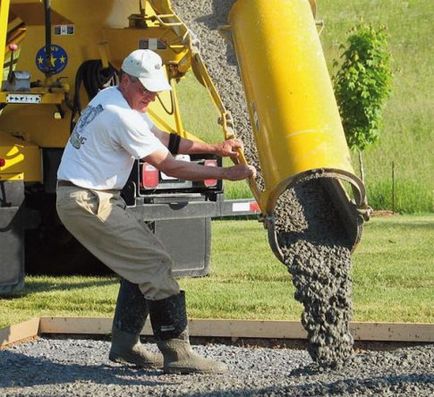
[169,112]
[47,15]
[94,77]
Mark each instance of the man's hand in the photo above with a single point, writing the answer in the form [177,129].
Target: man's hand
[239,172]
[166,163]
[228,148]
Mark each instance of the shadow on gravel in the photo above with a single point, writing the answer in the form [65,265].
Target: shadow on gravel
[19,370]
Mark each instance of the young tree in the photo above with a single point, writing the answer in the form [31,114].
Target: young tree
[362,84]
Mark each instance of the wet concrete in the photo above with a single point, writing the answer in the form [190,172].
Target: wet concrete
[316,252]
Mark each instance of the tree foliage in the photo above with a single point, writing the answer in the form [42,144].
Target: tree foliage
[362,84]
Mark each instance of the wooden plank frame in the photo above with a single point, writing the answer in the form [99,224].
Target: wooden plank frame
[209,328]
[19,332]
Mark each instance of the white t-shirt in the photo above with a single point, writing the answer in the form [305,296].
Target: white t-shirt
[106,140]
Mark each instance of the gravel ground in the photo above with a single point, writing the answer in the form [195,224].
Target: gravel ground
[74,367]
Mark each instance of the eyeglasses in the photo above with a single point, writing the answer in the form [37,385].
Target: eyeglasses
[135,80]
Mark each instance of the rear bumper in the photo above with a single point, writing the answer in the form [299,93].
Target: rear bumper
[179,209]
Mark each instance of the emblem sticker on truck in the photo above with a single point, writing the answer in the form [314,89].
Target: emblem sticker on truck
[23,98]
[64,30]
[58,60]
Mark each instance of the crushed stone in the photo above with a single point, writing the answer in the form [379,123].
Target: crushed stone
[80,367]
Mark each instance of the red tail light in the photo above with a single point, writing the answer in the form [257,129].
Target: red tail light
[150,176]
[2,162]
[254,207]
[210,182]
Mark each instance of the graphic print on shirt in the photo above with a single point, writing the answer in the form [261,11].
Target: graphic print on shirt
[90,113]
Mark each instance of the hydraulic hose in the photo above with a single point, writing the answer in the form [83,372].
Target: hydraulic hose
[94,78]
[47,14]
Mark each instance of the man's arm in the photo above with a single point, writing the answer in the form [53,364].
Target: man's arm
[166,163]
[228,148]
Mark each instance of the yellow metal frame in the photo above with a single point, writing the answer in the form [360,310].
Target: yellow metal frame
[18,154]
[4,15]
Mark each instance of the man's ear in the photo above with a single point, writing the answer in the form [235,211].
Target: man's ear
[124,78]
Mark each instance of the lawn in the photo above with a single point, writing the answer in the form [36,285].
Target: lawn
[406,138]
[393,275]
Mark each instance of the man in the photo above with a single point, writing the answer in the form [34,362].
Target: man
[112,132]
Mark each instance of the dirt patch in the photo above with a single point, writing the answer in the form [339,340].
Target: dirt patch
[382,213]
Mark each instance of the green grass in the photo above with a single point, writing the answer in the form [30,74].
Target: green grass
[407,135]
[394,269]
[200,116]
[204,124]
[408,196]
[393,276]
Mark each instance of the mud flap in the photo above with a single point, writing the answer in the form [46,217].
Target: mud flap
[11,237]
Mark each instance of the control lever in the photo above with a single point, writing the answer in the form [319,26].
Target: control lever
[12,48]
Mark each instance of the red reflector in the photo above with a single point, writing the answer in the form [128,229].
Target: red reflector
[210,182]
[150,176]
[254,207]
[2,162]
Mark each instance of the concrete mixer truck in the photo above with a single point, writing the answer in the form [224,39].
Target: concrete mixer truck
[57,54]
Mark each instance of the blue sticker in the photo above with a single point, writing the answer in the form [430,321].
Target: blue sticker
[58,62]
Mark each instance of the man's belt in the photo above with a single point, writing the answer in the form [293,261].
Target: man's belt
[62,183]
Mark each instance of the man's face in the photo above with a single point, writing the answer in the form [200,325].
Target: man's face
[137,96]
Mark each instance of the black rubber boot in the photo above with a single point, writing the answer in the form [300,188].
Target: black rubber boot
[130,316]
[169,323]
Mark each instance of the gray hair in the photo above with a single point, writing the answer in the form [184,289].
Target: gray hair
[133,79]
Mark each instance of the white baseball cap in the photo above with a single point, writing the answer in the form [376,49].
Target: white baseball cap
[147,66]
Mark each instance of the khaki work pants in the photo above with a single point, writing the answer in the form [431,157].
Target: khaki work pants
[99,221]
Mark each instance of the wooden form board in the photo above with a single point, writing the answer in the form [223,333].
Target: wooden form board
[387,332]
[382,332]
[19,332]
